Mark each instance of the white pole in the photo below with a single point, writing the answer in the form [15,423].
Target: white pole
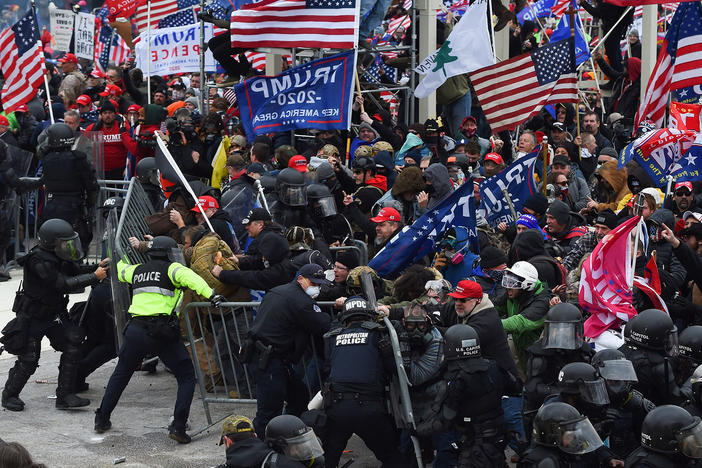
[48,98]
[492,32]
[648,46]
[148,51]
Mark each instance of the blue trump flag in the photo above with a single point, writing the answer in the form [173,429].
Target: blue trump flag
[316,94]
[519,181]
[582,51]
[415,241]
[540,9]
[691,163]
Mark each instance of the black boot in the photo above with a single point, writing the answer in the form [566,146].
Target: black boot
[179,435]
[16,379]
[65,392]
[102,422]
[12,403]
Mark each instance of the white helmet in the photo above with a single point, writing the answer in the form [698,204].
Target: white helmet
[522,275]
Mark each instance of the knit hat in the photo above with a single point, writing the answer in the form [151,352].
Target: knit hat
[193,101]
[528,221]
[609,151]
[347,258]
[608,218]
[536,202]
[491,256]
[107,106]
[560,211]
[369,127]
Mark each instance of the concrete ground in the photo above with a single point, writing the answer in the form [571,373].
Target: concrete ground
[66,438]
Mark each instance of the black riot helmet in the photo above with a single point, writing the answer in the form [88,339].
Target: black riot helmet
[461,342]
[653,329]
[364,164]
[690,344]
[60,137]
[672,429]
[356,308]
[321,201]
[290,187]
[696,383]
[112,202]
[160,247]
[563,327]
[617,371]
[147,172]
[58,236]
[580,378]
[287,434]
[560,425]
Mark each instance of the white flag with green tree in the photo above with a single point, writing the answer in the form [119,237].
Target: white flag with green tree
[466,49]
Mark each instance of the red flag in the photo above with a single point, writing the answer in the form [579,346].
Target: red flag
[685,116]
[21,61]
[651,274]
[120,8]
[606,281]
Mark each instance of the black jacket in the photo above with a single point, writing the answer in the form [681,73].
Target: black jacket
[250,453]
[224,227]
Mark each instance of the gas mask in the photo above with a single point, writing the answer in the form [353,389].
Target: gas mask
[417,331]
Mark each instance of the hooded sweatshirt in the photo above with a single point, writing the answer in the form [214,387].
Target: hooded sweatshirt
[617,180]
[384,158]
[437,175]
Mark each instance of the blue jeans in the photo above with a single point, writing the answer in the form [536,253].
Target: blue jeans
[512,407]
[454,114]
[375,11]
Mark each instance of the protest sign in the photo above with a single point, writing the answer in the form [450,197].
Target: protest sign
[174,50]
[84,43]
[61,26]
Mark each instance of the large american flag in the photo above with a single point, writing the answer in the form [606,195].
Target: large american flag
[184,17]
[512,91]
[296,23]
[159,10]
[101,55]
[678,64]
[21,61]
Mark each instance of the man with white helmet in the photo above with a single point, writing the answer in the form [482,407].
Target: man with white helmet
[527,304]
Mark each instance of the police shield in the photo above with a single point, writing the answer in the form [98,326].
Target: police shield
[238,202]
[121,299]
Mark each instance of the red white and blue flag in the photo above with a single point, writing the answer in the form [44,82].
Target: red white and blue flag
[21,61]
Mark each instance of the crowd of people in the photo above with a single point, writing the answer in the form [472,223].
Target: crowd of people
[490,337]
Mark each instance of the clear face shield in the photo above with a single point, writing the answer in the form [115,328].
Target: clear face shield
[293,195]
[304,447]
[621,370]
[69,249]
[511,281]
[594,391]
[326,206]
[579,437]
[563,335]
[671,342]
[690,441]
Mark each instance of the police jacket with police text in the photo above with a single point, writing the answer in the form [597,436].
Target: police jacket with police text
[70,174]
[157,285]
[286,316]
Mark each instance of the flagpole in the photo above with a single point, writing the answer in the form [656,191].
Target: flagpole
[601,41]
[202,60]
[544,155]
[571,16]
[492,32]
[358,87]
[148,51]
[46,79]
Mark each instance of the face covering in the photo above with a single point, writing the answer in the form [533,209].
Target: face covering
[313,291]
[266,264]
[210,137]
[429,189]
[495,275]
[469,132]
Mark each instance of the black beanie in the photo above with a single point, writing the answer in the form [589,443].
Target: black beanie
[490,257]
[536,202]
[347,258]
[560,211]
[608,218]
[107,106]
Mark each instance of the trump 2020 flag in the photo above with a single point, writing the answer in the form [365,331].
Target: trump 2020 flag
[607,279]
[540,9]
[518,180]
[415,241]
[690,163]
[582,51]
[316,94]
[466,49]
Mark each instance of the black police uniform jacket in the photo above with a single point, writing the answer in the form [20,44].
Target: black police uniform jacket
[286,318]
[251,453]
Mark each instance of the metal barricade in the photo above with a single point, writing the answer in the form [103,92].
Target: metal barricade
[132,222]
[214,338]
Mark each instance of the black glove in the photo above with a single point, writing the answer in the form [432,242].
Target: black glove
[206,17]
[216,300]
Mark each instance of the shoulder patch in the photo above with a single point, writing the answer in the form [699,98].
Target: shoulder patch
[316,308]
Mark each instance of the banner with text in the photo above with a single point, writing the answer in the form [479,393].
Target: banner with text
[174,50]
[316,94]
[84,38]
[61,25]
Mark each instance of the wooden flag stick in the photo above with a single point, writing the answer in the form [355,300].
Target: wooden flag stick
[571,15]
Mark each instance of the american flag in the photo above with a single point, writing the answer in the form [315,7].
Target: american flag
[372,73]
[101,56]
[184,17]
[119,50]
[512,91]
[22,62]
[296,23]
[257,59]
[678,64]
[159,10]
[395,23]
[560,7]
[220,9]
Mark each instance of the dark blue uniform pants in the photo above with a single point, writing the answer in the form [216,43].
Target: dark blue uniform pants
[138,344]
[276,385]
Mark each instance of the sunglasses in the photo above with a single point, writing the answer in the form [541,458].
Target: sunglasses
[683,193]
[562,184]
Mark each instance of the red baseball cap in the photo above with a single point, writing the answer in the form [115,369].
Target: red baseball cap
[387,214]
[467,289]
[134,108]
[83,100]
[22,108]
[111,89]
[687,185]
[68,58]
[4,121]
[298,162]
[97,73]
[494,157]
[205,202]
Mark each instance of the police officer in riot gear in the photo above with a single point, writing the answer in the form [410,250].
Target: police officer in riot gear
[694,403]
[322,207]
[288,435]
[291,207]
[689,357]
[147,173]
[628,407]
[670,437]
[471,401]
[561,437]
[70,182]
[51,272]
[157,287]
[562,342]
[359,363]
[651,348]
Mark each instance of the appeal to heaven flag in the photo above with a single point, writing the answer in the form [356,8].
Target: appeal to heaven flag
[466,49]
